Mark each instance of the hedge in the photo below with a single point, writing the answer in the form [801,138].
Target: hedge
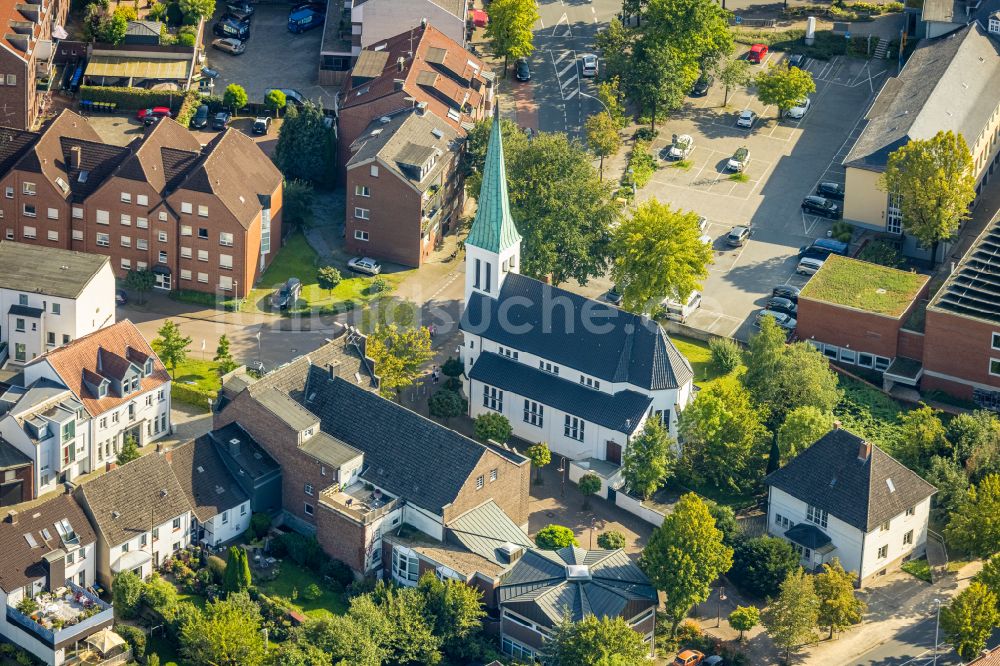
[191,103]
[133,98]
[191,395]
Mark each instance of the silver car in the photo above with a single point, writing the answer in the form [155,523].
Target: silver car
[780,318]
[746,119]
[681,148]
[364,265]
[229,45]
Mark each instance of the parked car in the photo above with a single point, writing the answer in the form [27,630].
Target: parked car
[681,147]
[614,296]
[521,69]
[689,658]
[231,27]
[590,64]
[786,291]
[714,660]
[305,19]
[809,265]
[239,17]
[150,116]
[221,120]
[200,119]
[676,310]
[291,96]
[746,119]
[795,60]
[833,191]
[285,296]
[779,304]
[820,206]
[702,223]
[261,125]
[364,265]
[121,298]
[739,160]
[230,45]
[738,236]
[799,110]
[757,53]
[209,73]
[782,320]
[702,85]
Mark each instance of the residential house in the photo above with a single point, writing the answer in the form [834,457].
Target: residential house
[31,31]
[17,477]
[46,577]
[951,83]
[539,589]
[198,217]
[363,23]
[51,297]
[141,514]
[581,375]
[220,506]
[420,65]
[122,385]
[405,187]
[846,498]
[254,470]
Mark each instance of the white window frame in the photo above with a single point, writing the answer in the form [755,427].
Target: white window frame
[141,200]
[361,235]
[105,241]
[362,213]
[362,191]
[186,207]
[574,428]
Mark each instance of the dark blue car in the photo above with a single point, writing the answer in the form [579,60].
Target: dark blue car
[300,20]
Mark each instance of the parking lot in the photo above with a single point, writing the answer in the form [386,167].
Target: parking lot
[274,58]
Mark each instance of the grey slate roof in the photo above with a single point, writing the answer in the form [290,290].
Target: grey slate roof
[484,529]
[209,486]
[11,458]
[26,311]
[245,452]
[538,588]
[330,450]
[620,412]
[286,409]
[831,476]
[65,273]
[950,83]
[633,349]
[808,535]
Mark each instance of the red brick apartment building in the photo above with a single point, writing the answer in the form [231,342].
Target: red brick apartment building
[204,218]
[26,56]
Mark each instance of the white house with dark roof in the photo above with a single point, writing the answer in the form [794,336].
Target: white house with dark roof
[574,372]
[846,498]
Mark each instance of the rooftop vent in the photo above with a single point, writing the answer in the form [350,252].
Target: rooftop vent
[437,133]
[510,552]
[115,515]
[577,572]
[385,119]
[201,470]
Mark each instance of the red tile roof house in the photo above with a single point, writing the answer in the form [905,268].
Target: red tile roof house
[26,56]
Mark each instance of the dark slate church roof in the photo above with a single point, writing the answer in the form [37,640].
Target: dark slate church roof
[613,346]
[864,493]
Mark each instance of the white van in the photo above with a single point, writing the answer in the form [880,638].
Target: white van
[808,266]
[678,311]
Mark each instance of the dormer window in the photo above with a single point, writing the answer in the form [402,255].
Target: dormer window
[307,433]
[135,385]
[148,369]
[102,390]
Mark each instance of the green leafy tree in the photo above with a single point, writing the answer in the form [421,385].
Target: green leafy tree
[411,638]
[975,441]
[922,435]
[554,537]
[452,367]
[610,95]
[171,346]
[130,450]
[202,9]
[492,426]
[725,522]
[540,456]
[761,564]
[697,31]
[803,426]
[969,619]
[611,540]
[952,485]
[684,556]
[297,653]
[237,575]
[161,596]
[447,404]
[973,526]
[658,254]
[791,618]
[784,87]
[733,73]
[297,204]
[235,97]
[223,356]
[356,638]
[838,607]
[140,282]
[615,43]
[398,354]
[305,144]
[126,593]
[275,100]
[455,611]
[588,484]
[656,82]
[328,278]
[226,633]
[595,642]
[649,459]
[989,576]
[727,355]
[935,181]
[114,28]
[602,137]
[744,618]
[510,28]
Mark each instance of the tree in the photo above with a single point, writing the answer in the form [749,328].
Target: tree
[540,456]
[761,564]
[725,522]
[803,426]
[304,150]
[603,137]
[452,367]
[126,592]
[656,83]
[649,459]
[235,97]
[510,28]
[610,94]
[407,634]
[353,638]
[454,610]
[695,30]
[733,73]
[727,355]
[275,100]
[838,607]
[975,441]
[203,9]
[658,254]
[989,576]
[615,43]
[784,87]
[171,346]
[922,435]
[113,28]
[969,619]
[952,485]
[226,633]
[492,426]
[447,404]
[140,282]
[684,556]
[595,642]
[223,356]
[237,575]
[297,202]
[130,451]
[973,526]
[935,181]
[589,484]
[398,355]
[328,278]
[554,537]
[744,618]
[791,618]
[611,540]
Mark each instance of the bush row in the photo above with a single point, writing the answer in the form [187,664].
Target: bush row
[133,98]
[191,395]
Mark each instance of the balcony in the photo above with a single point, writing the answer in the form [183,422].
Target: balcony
[359,502]
[59,618]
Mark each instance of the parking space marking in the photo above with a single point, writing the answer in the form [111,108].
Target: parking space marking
[563,21]
[569,87]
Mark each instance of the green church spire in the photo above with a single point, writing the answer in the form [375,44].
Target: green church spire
[493,229]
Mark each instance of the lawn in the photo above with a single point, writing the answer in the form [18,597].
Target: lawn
[920,569]
[292,581]
[864,286]
[869,413]
[697,352]
[196,381]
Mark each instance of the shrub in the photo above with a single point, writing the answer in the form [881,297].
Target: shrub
[554,537]
[304,551]
[338,572]
[312,592]
[726,354]
[880,252]
[126,590]
[378,285]
[452,367]
[135,637]
[173,14]
[132,98]
[493,426]
[192,395]
[646,134]
[641,163]
[842,231]
[611,540]
[157,12]
[187,35]
[161,596]
[260,523]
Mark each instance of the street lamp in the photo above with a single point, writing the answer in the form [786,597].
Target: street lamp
[937,626]
[598,100]
[563,469]
[718,608]
[258,346]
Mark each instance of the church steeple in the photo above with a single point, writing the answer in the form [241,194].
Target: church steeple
[493,247]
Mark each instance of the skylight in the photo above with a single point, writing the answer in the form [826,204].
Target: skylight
[46,534]
[577,572]
[30,538]
[892,486]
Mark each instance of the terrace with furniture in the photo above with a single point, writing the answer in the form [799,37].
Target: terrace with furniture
[62,616]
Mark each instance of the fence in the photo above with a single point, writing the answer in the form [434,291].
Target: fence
[638,508]
[752,23]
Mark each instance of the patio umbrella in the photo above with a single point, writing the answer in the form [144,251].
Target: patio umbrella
[104,640]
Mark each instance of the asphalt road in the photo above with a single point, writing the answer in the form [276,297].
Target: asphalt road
[914,646]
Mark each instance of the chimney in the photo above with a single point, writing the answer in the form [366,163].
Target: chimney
[234,447]
[836,425]
[168,456]
[397,84]
[864,451]
[56,565]
[74,157]
[12,517]
[423,22]
[401,63]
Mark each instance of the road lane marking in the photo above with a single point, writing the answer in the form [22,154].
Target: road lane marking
[566,69]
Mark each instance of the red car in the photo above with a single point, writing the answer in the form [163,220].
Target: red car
[149,116]
[757,53]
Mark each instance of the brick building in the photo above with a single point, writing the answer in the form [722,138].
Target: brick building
[27,53]
[204,218]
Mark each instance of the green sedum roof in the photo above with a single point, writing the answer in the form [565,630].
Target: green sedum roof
[493,229]
[864,286]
